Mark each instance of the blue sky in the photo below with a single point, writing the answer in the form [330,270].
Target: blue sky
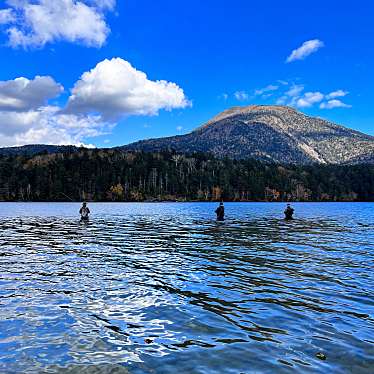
[212,55]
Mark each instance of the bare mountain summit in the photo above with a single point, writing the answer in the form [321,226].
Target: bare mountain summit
[272,133]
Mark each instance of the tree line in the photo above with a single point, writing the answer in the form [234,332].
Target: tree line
[114,175]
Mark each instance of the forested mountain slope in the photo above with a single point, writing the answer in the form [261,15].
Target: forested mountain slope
[114,175]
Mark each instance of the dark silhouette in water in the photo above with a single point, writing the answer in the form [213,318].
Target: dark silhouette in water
[84,212]
[289,212]
[220,211]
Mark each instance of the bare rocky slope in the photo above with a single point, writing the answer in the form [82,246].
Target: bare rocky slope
[272,133]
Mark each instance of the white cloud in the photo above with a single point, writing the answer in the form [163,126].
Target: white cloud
[179,128]
[104,4]
[331,104]
[6,16]
[25,116]
[46,125]
[306,49]
[291,96]
[12,123]
[241,95]
[282,82]
[309,99]
[36,23]
[295,97]
[22,94]
[110,91]
[115,89]
[295,90]
[269,88]
[281,100]
[335,94]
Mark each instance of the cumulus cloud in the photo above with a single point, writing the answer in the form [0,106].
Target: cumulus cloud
[291,96]
[112,90]
[295,90]
[297,98]
[282,82]
[36,23]
[332,101]
[115,89]
[265,90]
[104,4]
[241,95]
[335,94]
[309,99]
[6,16]
[46,125]
[331,104]
[306,49]
[281,100]
[22,94]
[13,123]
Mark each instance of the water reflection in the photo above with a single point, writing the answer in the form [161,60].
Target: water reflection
[144,292]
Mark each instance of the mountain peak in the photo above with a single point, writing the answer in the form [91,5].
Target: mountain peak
[242,110]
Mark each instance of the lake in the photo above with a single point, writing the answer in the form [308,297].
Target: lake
[163,288]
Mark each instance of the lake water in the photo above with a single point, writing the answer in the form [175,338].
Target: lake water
[163,288]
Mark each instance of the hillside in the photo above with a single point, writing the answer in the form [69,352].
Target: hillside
[110,175]
[33,149]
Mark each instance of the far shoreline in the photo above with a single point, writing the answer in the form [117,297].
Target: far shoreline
[188,202]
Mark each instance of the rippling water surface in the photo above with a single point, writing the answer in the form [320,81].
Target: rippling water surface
[163,288]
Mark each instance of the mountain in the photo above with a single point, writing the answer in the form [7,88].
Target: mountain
[270,133]
[29,150]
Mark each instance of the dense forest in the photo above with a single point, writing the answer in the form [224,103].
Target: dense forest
[114,175]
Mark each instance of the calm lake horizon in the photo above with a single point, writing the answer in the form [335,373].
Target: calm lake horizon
[160,287]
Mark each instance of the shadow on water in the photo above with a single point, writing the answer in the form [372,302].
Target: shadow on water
[144,293]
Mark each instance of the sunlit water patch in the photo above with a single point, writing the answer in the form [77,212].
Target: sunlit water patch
[163,288]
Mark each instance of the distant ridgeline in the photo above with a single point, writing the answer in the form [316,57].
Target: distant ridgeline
[116,175]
